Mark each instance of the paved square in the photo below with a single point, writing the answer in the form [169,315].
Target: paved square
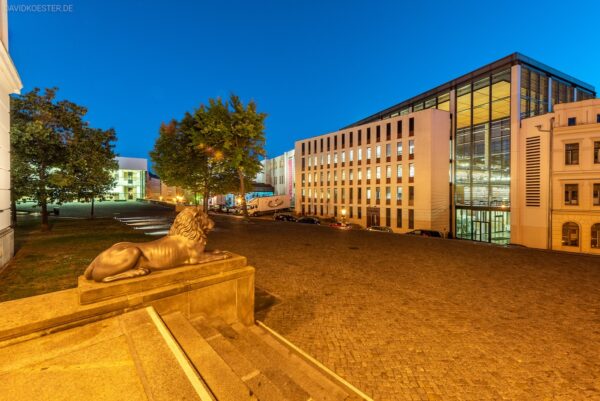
[428,319]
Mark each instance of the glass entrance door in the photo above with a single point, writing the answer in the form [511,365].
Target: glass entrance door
[481,226]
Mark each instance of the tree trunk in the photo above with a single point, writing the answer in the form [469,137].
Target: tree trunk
[205,196]
[92,211]
[45,225]
[13,212]
[243,194]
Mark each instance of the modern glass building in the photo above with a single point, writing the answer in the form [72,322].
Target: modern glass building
[486,107]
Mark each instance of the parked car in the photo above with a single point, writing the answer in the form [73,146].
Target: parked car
[284,217]
[340,226]
[308,220]
[426,233]
[381,229]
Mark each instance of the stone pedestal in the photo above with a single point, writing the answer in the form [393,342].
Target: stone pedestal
[223,289]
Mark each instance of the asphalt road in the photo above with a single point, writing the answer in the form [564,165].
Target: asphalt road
[416,318]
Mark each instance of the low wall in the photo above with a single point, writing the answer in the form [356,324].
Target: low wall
[223,289]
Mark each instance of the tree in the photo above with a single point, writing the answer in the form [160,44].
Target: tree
[238,131]
[181,162]
[91,164]
[41,131]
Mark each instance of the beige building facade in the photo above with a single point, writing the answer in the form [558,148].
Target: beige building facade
[560,170]
[9,83]
[393,173]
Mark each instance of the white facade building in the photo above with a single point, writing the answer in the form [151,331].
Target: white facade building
[130,179]
[279,172]
[9,83]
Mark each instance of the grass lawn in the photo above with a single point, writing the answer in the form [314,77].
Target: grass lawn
[52,261]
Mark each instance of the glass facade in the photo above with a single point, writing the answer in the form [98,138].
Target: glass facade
[482,159]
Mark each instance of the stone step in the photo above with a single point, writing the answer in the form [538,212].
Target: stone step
[218,375]
[253,377]
[162,375]
[253,351]
[319,386]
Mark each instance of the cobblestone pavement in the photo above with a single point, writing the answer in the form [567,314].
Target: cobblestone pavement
[410,318]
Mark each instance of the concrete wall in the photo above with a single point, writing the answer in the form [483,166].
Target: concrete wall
[530,223]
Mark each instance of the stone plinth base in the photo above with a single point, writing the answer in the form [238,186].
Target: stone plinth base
[91,291]
[222,289]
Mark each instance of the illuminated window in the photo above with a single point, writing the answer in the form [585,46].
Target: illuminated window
[595,236]
[368,194]
[388,172]
[571,194]
[359,174]
[399,171]
[399,149]
[388,193]
[328,159]
[378,151]
[368,173]
[344,156]
[377,193]
[571,153]
[570,234]
[335,158]
[411,170]
[368,153]
[411,147]
[388,150]
[399,194]
[359,154]
[378,172]
[343,175]
[350,174]
[351,155]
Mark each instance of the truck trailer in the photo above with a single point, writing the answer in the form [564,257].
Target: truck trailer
[268,204]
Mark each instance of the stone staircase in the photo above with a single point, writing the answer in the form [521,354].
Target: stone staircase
[238,362]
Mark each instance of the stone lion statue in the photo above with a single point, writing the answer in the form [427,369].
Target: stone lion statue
[184,245]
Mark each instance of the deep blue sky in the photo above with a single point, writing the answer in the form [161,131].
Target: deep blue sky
[313,66]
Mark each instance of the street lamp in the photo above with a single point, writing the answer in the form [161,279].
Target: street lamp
[344,216]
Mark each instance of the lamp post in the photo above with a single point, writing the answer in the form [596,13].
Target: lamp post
[343,216]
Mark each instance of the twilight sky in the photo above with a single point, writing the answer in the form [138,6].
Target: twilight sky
[312,66]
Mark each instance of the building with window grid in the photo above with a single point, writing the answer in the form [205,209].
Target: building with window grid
[485,108]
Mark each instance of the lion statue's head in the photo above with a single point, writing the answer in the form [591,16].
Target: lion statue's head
[192,223]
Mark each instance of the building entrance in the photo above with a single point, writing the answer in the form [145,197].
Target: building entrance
[483,225]
[373,216]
